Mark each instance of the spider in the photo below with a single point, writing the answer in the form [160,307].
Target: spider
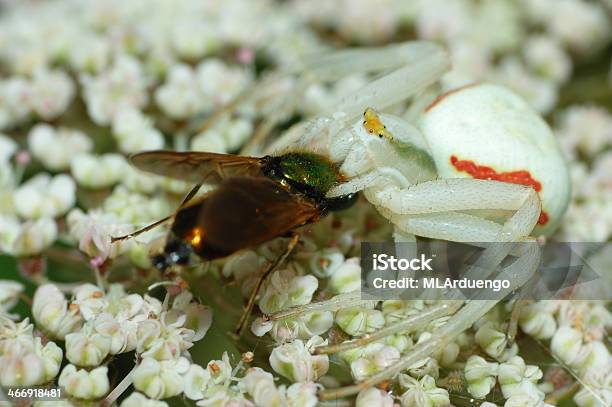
[475,164]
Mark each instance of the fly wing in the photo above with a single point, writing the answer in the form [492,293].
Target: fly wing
[197,167]
[243,212]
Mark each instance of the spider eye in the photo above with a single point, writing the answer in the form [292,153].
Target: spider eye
[380,135]
[371,131]
[364,122]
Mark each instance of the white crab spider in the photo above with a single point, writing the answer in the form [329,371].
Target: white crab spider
[424,177]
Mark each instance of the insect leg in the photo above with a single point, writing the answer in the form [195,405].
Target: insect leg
[140,231]
[155,224]
[260,280]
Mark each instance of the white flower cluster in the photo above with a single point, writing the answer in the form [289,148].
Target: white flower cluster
[528,50]
[95,325]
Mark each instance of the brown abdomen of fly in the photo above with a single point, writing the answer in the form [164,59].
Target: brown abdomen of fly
[242,212]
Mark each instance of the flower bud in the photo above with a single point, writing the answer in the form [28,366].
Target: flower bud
[45,196]
[87,348]
[34,237]
[294,361]
[358,321]
[480,376]
[196,381]
[516,378]
[52,314]
[422,393]
[83,384]
[347,277]
[55,148]
[373,397]
[160,380]
[97,172]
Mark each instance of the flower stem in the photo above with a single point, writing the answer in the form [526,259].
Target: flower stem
[119,389]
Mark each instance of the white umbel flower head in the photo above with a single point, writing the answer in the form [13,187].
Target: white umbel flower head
[55,148]
[43,196]
[135,132]
[51,93]
[83,384]
[96,172]
[295,362]
[160,380]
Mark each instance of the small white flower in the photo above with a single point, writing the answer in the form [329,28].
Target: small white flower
[83,384]
[139,400]
[284,289]
[295,362]
[9,294]
[192,38]
[52,313]
[376,362]
[597,390]
[14,101]
[135,132]
[51,93]
[87,348]
[302,395]
[480,376]
[373,397]
[93,231]
[526,400]
[546,57]
[538,321]
[160,380]
[221,83]
[516,378]
[260,385]
[566,343]
[585,128]
[89,53]
[135,208]
[97,171]
[220,370]
[491,340]
[20,367]
[422,393]
[34,236]
[180,97]
[8,147]
[584,26]
[347,277]
[55,148]
[45,196]
[224,137]
[358,321]
[196,382]
[121,86]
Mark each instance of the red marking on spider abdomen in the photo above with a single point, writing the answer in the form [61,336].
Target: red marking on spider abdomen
[521,177]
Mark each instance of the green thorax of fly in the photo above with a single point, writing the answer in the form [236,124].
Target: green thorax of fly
[309,173]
